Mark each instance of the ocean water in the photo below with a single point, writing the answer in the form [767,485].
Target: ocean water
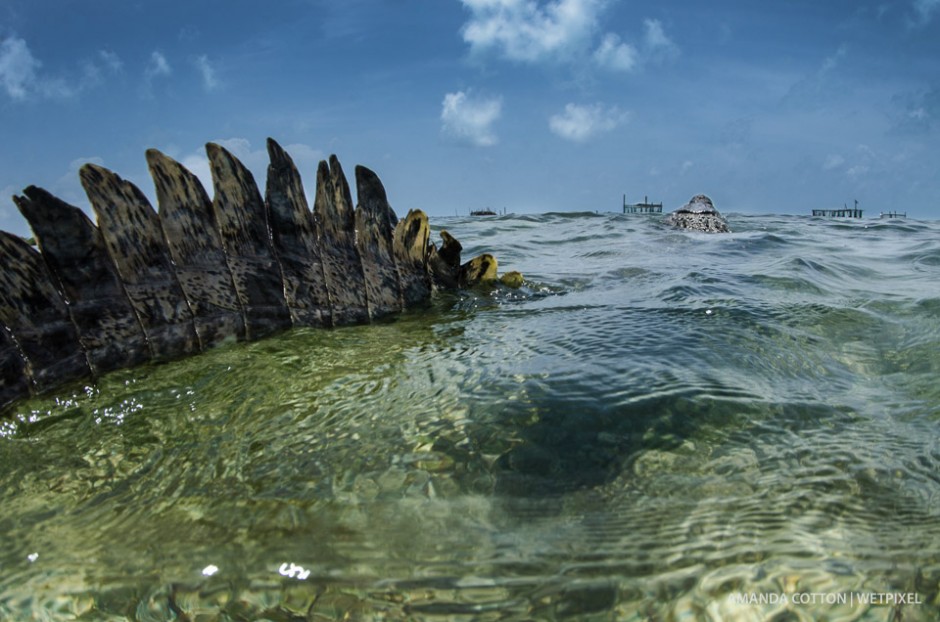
[659,426]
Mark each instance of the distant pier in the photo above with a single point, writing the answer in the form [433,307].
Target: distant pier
[894,214]
[642,208]
[843,212]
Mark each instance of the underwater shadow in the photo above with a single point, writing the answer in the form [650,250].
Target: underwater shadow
[584,443]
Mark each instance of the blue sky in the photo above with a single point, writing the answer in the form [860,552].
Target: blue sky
[528,105]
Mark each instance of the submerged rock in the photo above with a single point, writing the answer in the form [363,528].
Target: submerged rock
[699,214]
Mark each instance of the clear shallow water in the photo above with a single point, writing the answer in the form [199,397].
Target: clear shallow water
[659,426]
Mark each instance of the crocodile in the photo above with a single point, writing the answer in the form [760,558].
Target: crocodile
[146,285]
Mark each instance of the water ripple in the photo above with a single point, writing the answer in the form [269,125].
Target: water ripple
[655,425]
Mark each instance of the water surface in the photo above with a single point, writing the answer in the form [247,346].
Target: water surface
[660,425]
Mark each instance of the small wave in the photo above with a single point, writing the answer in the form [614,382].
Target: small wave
[926,262]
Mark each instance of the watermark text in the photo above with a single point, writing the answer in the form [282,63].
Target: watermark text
[827,598]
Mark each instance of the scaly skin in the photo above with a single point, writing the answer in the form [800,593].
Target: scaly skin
[144,285]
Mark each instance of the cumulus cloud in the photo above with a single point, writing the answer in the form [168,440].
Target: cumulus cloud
[470,119]
[526,31]
[616,55]
[580,123]
[559,31]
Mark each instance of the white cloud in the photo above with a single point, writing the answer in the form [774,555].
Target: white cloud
[563,31]
[526,31]
[613,54]
[580,123]
[21,79]
[207,71]
[470,119]
[17,68]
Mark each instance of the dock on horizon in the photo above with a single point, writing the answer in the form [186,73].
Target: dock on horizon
[641,208]
[843,212]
